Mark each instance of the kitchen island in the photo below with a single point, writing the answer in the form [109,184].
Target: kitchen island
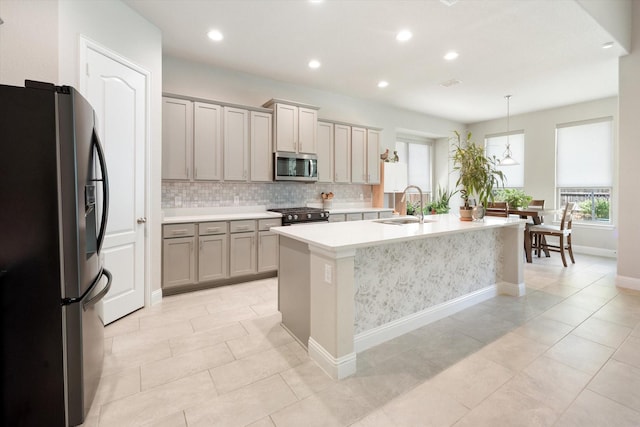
[345,287]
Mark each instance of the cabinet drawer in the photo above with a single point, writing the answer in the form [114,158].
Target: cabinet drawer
[266,224]
[243,226]
[179,230]
[369,215]
[354,217]
[205,228]
[337,218]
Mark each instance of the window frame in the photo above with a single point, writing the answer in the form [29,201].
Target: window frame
[563,193]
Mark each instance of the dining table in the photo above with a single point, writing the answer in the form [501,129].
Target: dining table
[536,215]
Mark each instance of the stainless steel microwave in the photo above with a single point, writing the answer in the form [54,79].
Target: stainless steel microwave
[295,167]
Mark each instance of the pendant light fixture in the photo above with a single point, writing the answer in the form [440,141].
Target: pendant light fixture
[508,160]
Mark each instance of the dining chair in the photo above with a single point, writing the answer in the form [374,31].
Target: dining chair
[535,204]
[497,209]
[540,234]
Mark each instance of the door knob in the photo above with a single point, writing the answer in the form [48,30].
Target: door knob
[141,220]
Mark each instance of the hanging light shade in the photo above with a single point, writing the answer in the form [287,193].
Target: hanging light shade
[507,159]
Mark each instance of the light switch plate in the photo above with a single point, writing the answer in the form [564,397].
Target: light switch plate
[327,273]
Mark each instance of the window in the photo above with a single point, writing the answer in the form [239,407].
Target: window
[415,151]
[584,168]
[495,145]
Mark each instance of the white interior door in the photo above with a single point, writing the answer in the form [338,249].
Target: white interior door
[118,92]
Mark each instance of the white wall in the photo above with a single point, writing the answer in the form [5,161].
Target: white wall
[118,28]
[197,80]
[539,129]
[629,171]
[28,41]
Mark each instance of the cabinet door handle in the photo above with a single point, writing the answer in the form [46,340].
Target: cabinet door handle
[179,232]
[195,172]
[141,220]
[213,229]
[200,245]
[187,172]
[242,227]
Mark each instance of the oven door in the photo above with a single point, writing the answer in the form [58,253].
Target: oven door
[295,167]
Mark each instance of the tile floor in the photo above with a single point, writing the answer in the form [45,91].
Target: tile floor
[566,354]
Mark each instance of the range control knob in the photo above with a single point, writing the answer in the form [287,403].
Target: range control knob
[295,217]
[308,216]
[289,217]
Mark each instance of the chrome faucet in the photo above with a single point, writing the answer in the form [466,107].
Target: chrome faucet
[404,194]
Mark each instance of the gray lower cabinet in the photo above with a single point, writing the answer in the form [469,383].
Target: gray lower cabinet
[217,251]
[178,255]
[242,248]
[213,256]
[268,245]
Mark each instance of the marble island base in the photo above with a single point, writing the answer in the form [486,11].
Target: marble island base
[340,301]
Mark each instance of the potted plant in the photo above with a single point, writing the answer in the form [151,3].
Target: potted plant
[440,204]
[478,174]
[515,198]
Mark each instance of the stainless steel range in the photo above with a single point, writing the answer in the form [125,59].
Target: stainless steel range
[293,216]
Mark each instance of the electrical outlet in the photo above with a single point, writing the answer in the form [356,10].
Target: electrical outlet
[236,200]
[327,273]
[178,201]
[361,196]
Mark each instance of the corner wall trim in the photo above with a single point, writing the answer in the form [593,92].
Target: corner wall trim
[628,282]
[388,331]
[338,368]
[156,297]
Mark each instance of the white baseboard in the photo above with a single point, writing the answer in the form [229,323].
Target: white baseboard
[335,368]
[380,334]
[513,289]
[628,282]
[156,297]
[590,250]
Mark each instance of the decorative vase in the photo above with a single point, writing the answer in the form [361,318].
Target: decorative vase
[466,214]
[477,212]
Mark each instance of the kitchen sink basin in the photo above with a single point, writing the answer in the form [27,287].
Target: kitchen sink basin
[403,220]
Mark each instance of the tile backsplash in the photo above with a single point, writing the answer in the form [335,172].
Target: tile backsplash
[176,194]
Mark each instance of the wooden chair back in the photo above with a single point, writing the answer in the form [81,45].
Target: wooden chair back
[567,216]
[538,204]
[497,209]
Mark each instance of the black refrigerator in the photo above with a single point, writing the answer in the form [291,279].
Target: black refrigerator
[53,214]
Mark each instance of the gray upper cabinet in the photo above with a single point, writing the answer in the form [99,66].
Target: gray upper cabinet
[358,155]
[342,153]
[177,138]
[325,152]
[236,144]
[207,141]
[261,146]
[373,156]
[295,126]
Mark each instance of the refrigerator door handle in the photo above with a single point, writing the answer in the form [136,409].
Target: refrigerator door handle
[105,189]
[87,304]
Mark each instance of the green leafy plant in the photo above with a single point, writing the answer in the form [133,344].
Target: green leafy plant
[601,209]
[440,204]
[515,198]
[478,172]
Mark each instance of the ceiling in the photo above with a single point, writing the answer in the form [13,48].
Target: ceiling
[544,53]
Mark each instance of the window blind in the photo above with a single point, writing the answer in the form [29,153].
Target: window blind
[585,154]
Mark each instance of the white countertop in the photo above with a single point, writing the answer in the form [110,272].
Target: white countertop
[357,210]
[357,234]
[235,213]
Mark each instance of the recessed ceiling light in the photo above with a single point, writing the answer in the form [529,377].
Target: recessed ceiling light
[607,45]
[314,63]
[215,35]
[404,35]
[451,55]
[449,2]
[316,1]
[383,83]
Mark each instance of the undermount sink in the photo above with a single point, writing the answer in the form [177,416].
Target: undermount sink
[401,220]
